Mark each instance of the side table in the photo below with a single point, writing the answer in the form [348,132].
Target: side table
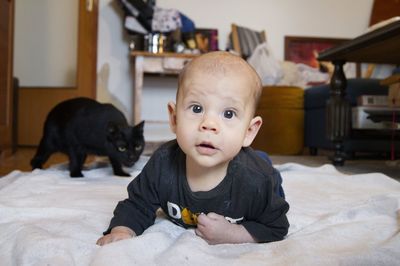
[380,46]
[146,62]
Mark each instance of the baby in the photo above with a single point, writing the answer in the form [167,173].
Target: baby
[209,178]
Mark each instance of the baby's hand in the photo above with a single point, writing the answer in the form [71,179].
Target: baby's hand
[116,234]
[215,229]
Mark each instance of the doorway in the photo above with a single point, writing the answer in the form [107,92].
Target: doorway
[37,96]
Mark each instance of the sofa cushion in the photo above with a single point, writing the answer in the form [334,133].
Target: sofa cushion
[316,97]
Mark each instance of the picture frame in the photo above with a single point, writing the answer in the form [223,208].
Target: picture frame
[305,50]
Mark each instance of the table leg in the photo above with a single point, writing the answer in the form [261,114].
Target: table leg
[137,89]
[338,113]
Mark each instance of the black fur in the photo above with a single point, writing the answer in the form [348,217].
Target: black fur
[83,126]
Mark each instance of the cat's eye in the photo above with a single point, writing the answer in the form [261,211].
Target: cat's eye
[121,149]
[197,109]
[138,147]
[229,114]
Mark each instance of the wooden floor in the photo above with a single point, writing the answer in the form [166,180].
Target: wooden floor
[21,161]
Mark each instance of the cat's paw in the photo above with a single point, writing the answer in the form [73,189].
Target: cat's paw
[76,174]
[36,164]
[122,173]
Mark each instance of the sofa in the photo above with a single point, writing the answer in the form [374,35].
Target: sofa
[315,99]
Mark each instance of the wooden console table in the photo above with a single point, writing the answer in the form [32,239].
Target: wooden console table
[380,46]
[146,62]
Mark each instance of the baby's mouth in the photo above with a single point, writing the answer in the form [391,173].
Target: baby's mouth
[206,148]
[206,145]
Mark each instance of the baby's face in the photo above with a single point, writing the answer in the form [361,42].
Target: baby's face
[213,114]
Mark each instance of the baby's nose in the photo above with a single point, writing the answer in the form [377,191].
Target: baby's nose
[209,124]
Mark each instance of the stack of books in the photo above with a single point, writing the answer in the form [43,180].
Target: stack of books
[379,111]
[372,100]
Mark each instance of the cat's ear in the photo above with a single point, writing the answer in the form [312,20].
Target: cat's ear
[172,116]
[139,127]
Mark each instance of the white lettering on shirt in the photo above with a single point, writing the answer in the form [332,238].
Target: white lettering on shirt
[173,210]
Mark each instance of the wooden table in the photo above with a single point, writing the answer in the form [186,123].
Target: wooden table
[146,62]
[381,46]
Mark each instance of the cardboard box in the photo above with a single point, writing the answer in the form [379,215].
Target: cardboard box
[394,95]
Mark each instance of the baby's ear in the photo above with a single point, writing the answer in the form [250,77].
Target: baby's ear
[172,116]
[252,131]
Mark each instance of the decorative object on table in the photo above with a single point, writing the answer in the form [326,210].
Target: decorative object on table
[156,43]
[189,40]
[159,30]
[206,39]
[136,42]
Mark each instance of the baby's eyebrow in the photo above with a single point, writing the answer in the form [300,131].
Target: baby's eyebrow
[195,93]
[233,101]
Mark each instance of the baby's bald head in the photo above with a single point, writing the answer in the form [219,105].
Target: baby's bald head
[222,64]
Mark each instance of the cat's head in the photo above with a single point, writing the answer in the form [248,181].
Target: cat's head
[125,144]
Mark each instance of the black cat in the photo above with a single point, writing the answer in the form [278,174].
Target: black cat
[83,126]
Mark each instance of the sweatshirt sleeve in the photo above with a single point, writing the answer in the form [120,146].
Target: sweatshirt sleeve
[268,221]
[138,210]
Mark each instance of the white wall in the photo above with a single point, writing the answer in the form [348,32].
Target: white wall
[114,79]
[327,18]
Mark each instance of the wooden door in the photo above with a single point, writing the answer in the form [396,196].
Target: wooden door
[35,102]
[6,84]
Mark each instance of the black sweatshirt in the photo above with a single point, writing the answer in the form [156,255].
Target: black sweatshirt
[245,196]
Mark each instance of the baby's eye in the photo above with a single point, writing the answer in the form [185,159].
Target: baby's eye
[138,147]
[197,109]
[229,114]
[121,148]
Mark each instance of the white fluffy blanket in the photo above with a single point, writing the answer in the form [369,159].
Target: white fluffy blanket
[48,218]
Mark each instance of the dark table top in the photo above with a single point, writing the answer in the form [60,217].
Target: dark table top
[380,46]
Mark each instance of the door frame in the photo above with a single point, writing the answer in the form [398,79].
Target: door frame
[6,76]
